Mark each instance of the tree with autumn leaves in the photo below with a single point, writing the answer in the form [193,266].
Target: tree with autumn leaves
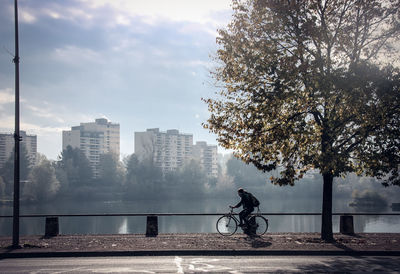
[311,85]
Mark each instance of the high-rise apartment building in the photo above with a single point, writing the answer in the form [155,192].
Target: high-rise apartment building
[208,157]
[94,139]
[169,150]
[7,143]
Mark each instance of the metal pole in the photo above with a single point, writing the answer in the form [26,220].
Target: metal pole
[16,136]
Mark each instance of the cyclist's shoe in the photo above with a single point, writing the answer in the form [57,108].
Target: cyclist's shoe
[242,225]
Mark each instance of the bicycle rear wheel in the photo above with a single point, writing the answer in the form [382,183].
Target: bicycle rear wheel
[261,225]
[226,225]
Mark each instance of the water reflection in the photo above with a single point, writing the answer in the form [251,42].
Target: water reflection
[181,224]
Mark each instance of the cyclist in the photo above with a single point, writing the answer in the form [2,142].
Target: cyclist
[248,207]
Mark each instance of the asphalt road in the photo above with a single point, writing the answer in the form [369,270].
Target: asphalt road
[190,264]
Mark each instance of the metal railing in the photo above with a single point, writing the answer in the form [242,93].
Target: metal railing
[197,214]
[52,224]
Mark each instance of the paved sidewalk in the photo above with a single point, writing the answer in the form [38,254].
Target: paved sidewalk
[202,244]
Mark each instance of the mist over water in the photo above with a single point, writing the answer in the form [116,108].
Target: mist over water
[190,191]
[184,224]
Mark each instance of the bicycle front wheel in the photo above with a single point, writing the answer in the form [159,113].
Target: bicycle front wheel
[261,225]
[226,225]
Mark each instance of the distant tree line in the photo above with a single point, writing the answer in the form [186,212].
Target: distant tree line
[70,177]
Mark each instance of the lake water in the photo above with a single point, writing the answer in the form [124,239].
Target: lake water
[184,224]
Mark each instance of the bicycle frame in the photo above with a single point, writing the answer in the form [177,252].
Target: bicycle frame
[232,214]
[230,217]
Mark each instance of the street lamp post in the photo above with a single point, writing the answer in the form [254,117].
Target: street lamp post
[17,138]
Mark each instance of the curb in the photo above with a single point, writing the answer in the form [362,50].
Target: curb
[197,253]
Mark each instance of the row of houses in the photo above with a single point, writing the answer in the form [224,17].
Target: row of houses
[168,150]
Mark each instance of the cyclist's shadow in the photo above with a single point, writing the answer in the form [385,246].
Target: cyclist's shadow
[256,241]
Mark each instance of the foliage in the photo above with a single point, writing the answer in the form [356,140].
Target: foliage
[368,198]
[244,175]
[132,168]
[2,187]
[42,184]
[7,171]
[250,178]
[225,186]
[144,179]
[111,171]
[62,177]
[190,180]
[75,167]
[305,87]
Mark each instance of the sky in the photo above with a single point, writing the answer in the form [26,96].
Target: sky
[142,64]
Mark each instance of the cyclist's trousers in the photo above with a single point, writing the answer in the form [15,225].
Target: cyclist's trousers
[244,214]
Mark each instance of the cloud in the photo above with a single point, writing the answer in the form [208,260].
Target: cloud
[7,122]
[7,100]
[8,125]
[47,121]
[141,63]
[154,11]
[71,54]
[207,14]
[41,130]
[45,112]
[6,96]
[31,12]
[27,17]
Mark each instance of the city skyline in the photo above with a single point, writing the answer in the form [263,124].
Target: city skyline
[121,154]
[72,137]
[145,65]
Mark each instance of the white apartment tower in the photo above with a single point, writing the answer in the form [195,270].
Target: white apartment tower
[208,157]
[94,139]
[7,143]
[169,150]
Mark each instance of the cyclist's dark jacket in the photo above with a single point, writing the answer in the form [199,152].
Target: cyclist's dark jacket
[246,201]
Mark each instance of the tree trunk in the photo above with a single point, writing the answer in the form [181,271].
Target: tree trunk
[326,227]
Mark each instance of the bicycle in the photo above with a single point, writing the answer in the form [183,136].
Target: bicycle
[227,224]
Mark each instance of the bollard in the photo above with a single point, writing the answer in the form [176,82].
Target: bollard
[395,206]
[51,227]
[152,226]
[346,224]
